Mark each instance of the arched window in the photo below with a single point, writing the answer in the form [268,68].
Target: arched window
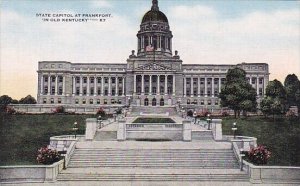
[146,102]
[162,102]
[153,102]
[188,101]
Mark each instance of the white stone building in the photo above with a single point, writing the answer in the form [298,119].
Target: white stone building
[152,77]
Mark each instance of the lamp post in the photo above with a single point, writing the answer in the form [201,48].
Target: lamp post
[115,116]
[195,116]
[99,120]
[234,129]
[182,111]
[75,128]
[128,101]
[242,154]
[208,121]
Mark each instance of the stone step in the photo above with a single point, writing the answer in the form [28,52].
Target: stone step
[155,150]
[106,136]
[161,165]
[151,177]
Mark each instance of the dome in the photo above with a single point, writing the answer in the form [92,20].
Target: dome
[154,14]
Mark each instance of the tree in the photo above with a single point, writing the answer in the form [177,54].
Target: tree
[28,100]
[4,101]
[237,93]
[275,101]
[292,87]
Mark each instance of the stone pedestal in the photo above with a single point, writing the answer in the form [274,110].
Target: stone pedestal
[90,128]
[121,133]
[217,129]
[187,130]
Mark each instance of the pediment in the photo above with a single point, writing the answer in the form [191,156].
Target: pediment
[153,66]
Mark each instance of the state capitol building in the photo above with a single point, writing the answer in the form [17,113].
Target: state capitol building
[152,76]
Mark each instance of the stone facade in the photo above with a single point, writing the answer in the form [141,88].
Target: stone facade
[152,77]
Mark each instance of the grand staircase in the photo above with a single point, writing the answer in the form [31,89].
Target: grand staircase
[102,164]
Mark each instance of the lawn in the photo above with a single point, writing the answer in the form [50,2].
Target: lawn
[22,135]
[282,137]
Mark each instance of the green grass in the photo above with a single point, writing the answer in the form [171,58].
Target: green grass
[22,135]
[282,137]
[153,120]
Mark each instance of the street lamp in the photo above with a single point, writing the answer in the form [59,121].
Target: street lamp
[234,129]
[242,154]
[208,121]
[99,120]
[75,128]
[195,116]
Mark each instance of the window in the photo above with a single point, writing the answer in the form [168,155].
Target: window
[261,80]
[77,79]
[84,91]
[153,90]
[105,102]
[112,101]
[188,101]
[52,90]
[52,101]
[113,80]
[106,80]
[46,79]
[260,91]
[146,89]
[216,102]
[120,92]
[202,93]
[105,92]
[84,79]
[91,101]
[84,101]
[253,80]
[216,81]
[77,91]
[202,81]
[223,81]
[99,91]
[60,79]
[99,80]
[195,93]
[138,90]
[208,82]
[44,100]
[92,91]
[209,102]
[208,93]
[216,93]
[53,79]
[120,80]
[195,81]
[202,102]
[195,102]
[46,90]
[59,100]
[98,101]
[113,92]
[92,80]
[76,101]
[119,101]
[60,91]
[52,65]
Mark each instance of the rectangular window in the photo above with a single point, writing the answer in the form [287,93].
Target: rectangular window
[84,91]
[52,101]
[260,91]
[77,91]
[202,102]
[98,101]
[261,80]
[46,79]
[105,102]
[202,93]
[195,92]
[53,79]
[209,102]
[195,102]
[216,102]
[106,80]
[76,101]
[92,80]
[112,101]
[84,79]
[99,91]
[46,90]
[99,80]
[52,90]
[44,100]
[84,101]
[105,92]
[60,79]
[92,91]
[208,93]
[91,101]
[113,92]
[77,79]
[59,100]
[60,91]
[253,80]
[120,92]
[120,80]
[113,80]
[119,101]
[202,81]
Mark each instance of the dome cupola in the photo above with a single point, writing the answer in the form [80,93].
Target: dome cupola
[154,35]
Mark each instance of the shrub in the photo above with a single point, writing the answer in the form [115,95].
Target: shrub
[10,110]
[47,156]
[259,155]
[190,113]
[59,109]
[119,111]
[224,113]
[290,114]
[101,112]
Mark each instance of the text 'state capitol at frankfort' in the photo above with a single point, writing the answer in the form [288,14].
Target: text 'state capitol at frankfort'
[154,76]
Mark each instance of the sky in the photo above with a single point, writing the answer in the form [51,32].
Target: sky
[204,32]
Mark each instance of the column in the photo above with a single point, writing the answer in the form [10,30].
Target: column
[205,86]
[95,86]
[88,85]
[123,86]
[213,87]
[109,86]
[150,84]
[64,86]
[158,87]
[42,85]
[220,85]
[199,86]
[192,86]
[80,86]
[117,86]
[184,86]
[174,86]
[102,85]
[56,84]
[257,88]
[166,84]
[49,84]
[143,85]
[134,85]
[74,85]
